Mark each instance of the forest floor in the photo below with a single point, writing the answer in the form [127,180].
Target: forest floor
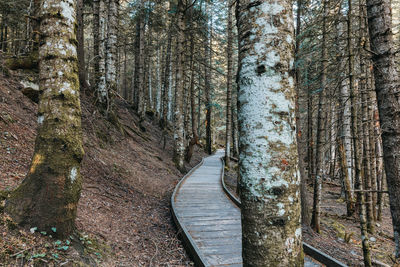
[124,214]
[336,226]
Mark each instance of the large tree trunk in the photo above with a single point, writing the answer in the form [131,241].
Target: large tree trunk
[49,195]
[269,187]
[388,95]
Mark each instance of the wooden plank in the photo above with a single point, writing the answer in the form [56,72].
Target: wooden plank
[224,259]
[213,234]
[219,227]
[212,222]
[229,241]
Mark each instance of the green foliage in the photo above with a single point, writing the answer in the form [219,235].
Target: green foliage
[41,255]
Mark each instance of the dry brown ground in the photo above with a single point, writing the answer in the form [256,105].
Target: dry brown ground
[335,224]
[128,180]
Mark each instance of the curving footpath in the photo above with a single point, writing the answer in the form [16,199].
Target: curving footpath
[209,220]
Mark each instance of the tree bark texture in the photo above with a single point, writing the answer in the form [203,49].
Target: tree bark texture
[229,89]
[179,148]
[388,95]
[269,185]
[49,194]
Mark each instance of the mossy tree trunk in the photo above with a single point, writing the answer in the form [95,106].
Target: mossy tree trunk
[49,195]
[269,186]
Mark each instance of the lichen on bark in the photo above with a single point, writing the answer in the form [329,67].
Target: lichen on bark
[49,194]
[269,187]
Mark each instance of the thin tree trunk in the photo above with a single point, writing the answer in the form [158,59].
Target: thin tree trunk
[320,153]
[166,85]
[229,89]
[305,215]
[125,82]
[141,71]
[5,36]
[111,54]
[357,141]
[235,139]
[207,67]
[365,122]
[136,75]
[81,46]
[101,87]
[195,138]
[179,147]
[96,42]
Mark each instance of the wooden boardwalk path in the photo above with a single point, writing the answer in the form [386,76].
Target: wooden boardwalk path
[209,220]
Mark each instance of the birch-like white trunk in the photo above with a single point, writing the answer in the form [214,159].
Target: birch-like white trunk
[111,51]
[102,93]
[269,187]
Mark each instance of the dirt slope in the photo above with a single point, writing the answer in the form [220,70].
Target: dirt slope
[128,180]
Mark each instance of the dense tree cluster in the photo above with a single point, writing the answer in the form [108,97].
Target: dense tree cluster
[174,62]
